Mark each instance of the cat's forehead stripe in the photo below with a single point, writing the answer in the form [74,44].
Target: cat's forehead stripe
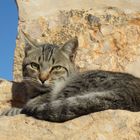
[47,52]
[43,54]
[50,54]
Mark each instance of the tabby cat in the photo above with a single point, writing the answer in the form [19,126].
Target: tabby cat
[58,92]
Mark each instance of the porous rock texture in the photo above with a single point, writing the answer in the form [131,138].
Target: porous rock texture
[108,32]
[109,39]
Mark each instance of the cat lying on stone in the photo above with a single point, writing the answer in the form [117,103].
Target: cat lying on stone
[58,92]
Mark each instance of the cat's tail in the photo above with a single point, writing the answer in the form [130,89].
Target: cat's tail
[11,112]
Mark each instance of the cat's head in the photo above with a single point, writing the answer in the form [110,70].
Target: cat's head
[48,63]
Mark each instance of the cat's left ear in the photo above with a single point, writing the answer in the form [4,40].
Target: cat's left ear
[30,43]
[70,48]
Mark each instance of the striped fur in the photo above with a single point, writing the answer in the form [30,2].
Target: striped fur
[61,93]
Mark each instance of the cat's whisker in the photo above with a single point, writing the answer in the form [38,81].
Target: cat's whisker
[30,80]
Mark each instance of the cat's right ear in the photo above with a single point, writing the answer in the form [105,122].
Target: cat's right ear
[30,43]
[70,48]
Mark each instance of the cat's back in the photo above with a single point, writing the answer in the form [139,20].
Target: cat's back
[110,75]
[104,80]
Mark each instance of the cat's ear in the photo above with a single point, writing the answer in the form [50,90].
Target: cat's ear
[30,43]
[70,48]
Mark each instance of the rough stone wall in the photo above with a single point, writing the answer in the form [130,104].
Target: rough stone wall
[108,33]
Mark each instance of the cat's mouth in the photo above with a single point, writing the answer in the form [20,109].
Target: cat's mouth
[35,82]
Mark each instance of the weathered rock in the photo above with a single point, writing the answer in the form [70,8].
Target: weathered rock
[114,125]
[103,125]
[108,32]
[5,93]
[109,39]
[11,94]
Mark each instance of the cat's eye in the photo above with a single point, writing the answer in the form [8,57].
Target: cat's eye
[34,65]
[57,68]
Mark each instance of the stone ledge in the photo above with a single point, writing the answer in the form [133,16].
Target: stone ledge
[114,125]
[109,124]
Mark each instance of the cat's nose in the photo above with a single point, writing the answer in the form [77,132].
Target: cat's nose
[42,80]
[43,77]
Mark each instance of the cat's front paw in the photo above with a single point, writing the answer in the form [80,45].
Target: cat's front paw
[29,110]
[11,112]
[36,111]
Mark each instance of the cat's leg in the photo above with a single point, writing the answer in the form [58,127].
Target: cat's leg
[25,90]
[61,110]
[32,105]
